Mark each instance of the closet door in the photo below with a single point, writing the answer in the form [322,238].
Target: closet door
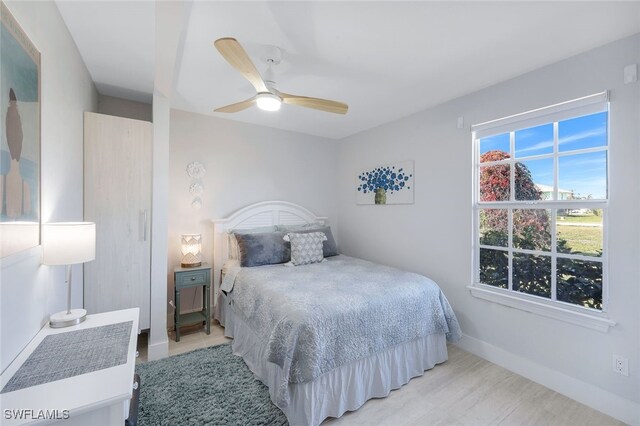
[117,197]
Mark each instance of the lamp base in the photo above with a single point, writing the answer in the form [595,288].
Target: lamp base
[191,265]
[63,319]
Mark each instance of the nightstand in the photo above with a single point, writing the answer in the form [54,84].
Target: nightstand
[187,278]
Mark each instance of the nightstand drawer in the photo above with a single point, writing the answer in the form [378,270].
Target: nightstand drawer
[188,279]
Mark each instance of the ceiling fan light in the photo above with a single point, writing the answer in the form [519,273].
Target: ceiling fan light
[268,101]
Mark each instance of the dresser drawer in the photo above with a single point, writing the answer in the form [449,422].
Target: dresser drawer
[188,279]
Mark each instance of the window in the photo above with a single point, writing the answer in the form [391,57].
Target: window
[540,205]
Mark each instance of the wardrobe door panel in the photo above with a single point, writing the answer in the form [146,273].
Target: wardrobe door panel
[117,197]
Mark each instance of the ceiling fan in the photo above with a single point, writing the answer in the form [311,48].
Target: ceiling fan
[268,97]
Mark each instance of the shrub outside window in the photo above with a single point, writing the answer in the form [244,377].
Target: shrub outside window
[540,204]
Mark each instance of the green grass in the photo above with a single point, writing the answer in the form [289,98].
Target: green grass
[581,239]
[580,219]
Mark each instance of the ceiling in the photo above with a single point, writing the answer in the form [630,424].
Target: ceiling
[117,42]
[385,59]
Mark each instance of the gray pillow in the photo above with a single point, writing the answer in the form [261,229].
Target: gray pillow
[233,244]
[329,247]
[263,249]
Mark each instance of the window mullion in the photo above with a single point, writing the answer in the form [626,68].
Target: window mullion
[512,198]
[512,169]
[555,161]
[554,240]
[476,214]
[510,247]
[476,241]
[605,259]
[583,151]
[554,217]
[543,204]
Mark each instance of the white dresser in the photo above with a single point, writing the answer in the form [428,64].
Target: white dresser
[96,398]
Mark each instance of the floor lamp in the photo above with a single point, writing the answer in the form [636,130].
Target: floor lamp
[68,243]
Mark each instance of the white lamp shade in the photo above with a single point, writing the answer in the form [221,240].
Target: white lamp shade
[191,249]
[66,243]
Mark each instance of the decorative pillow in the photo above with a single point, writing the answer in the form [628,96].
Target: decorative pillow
[306,248]
[233,243]
[329,247]
[262,249]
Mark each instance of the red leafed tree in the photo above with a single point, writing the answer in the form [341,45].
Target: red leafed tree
[495,181]
[531,227]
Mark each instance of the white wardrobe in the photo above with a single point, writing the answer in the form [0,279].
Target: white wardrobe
[117,197]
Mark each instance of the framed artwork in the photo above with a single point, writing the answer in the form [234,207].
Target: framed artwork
[386,184]
[19,139]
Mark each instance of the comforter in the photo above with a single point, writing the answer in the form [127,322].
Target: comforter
[314,318]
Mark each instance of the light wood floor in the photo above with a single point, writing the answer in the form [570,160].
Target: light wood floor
[465,390]
[191,338]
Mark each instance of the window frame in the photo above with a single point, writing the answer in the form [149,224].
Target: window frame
[551,307]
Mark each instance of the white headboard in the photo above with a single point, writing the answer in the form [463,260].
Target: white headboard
[266,213]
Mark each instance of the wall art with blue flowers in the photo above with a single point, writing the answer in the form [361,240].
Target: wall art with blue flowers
[387,184]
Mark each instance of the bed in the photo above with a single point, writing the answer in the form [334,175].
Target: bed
[326,337]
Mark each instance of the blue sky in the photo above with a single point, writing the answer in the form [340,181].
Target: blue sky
[585,174]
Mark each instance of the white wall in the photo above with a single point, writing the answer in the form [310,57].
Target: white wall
[433,237]
[245,164]
[29,292]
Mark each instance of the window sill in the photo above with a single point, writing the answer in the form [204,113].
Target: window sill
[591,321]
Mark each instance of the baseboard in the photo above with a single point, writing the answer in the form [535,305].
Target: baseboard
[599,399]
[158,350]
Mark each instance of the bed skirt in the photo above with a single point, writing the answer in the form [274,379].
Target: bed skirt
[342,389]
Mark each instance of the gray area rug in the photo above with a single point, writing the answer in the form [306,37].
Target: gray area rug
[209,386]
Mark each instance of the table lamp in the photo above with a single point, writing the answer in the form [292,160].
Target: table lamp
[68,243]
[191,249]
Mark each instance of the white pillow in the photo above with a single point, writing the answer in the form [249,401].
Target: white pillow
[306,248]
[234,253]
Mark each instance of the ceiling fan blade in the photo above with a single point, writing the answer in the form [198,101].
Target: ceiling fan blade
[233,52]
[315,103]
[239,106]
